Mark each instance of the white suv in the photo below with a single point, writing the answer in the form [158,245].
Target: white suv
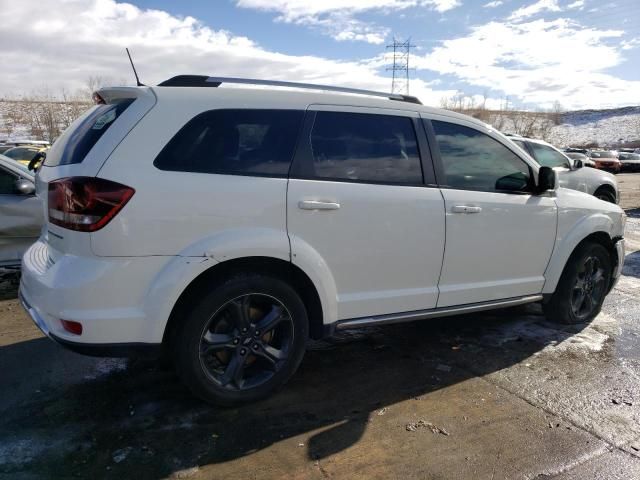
[571,173]
[229,225]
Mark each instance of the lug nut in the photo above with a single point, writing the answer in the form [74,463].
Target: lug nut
[257,333]
[243,351]
[255,346]
[236,341]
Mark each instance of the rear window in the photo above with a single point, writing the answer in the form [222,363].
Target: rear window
[242,142]
[96,122]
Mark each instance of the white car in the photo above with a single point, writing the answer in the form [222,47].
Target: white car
[571,173]
[20,213]
[229,225]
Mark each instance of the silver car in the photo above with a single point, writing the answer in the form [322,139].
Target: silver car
[571,173]
[21,215]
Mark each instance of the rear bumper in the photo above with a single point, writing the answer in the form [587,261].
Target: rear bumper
[93,349]
[106,295]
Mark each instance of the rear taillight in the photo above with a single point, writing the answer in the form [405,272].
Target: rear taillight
[85,204]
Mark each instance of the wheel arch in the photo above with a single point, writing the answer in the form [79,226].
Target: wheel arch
[279,268]
[606,187]
[557,265]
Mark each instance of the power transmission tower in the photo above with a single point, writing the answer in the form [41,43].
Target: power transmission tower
[400,67]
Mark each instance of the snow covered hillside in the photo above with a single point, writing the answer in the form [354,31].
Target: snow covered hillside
[602,127]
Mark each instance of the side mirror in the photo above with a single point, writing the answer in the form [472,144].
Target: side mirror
[25,187]
[546,179]
[577,164]
[36,161]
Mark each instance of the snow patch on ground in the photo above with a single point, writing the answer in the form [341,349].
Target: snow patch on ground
[107,366]
[556,340]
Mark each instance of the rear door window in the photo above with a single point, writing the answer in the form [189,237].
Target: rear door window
[94,125]
[365,148]
[240,142]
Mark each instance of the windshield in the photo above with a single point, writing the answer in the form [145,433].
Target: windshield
[21,153]
[12,162]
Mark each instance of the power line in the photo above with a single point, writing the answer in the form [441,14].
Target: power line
[400,67]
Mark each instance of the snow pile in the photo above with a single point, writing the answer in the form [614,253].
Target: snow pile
[602,127]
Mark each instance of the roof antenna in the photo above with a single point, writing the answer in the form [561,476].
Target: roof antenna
[138,83]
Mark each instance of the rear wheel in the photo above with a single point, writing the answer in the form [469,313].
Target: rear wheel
[582,287]
[242,340]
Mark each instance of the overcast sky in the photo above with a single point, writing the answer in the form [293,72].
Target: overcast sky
[582,53]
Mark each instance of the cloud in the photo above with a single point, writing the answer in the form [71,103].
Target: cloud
[82,38]
[538,62]
[337,18]
[535,8]
[579,4]
[493,4]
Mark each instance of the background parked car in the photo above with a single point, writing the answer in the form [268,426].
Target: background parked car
[24,154]
[629,162]
[571,173]
[586,161]
[21,215]
[605,160]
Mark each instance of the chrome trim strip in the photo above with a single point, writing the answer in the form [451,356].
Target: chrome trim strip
[37,319]
[433,313]
[310,86]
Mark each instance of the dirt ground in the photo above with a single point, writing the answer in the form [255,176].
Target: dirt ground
[495,395]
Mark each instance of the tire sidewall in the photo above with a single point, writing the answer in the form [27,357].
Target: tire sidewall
[187,341]
[568,279]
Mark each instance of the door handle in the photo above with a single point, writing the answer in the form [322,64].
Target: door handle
[317,205]
[465,209]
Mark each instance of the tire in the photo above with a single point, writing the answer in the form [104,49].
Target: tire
[575,281]
[606,195]
[225,365]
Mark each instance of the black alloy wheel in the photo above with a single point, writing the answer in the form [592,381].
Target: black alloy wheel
[246,341]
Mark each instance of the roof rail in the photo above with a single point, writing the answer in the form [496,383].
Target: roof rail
[204,81]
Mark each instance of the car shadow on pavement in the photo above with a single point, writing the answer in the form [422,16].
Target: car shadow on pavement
[98,417]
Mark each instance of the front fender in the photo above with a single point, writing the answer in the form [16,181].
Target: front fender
[569,236]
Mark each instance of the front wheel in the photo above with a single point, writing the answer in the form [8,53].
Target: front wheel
[605,195]
[242,340]
[582,287]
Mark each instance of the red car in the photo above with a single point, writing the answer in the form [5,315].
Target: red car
[606,160]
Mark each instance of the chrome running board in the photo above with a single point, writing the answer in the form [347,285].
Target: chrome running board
[433,313]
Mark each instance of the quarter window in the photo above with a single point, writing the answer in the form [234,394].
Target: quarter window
[365,148]
[472,160]
[246,142]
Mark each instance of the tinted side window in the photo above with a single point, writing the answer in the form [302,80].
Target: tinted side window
[548,157]
[249,142]
[7,182]
[365,148]
[473,160]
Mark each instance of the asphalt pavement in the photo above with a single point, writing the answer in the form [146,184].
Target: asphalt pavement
[503,394]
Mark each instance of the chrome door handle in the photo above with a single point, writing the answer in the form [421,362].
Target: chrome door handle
[465,209]
[316,205]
